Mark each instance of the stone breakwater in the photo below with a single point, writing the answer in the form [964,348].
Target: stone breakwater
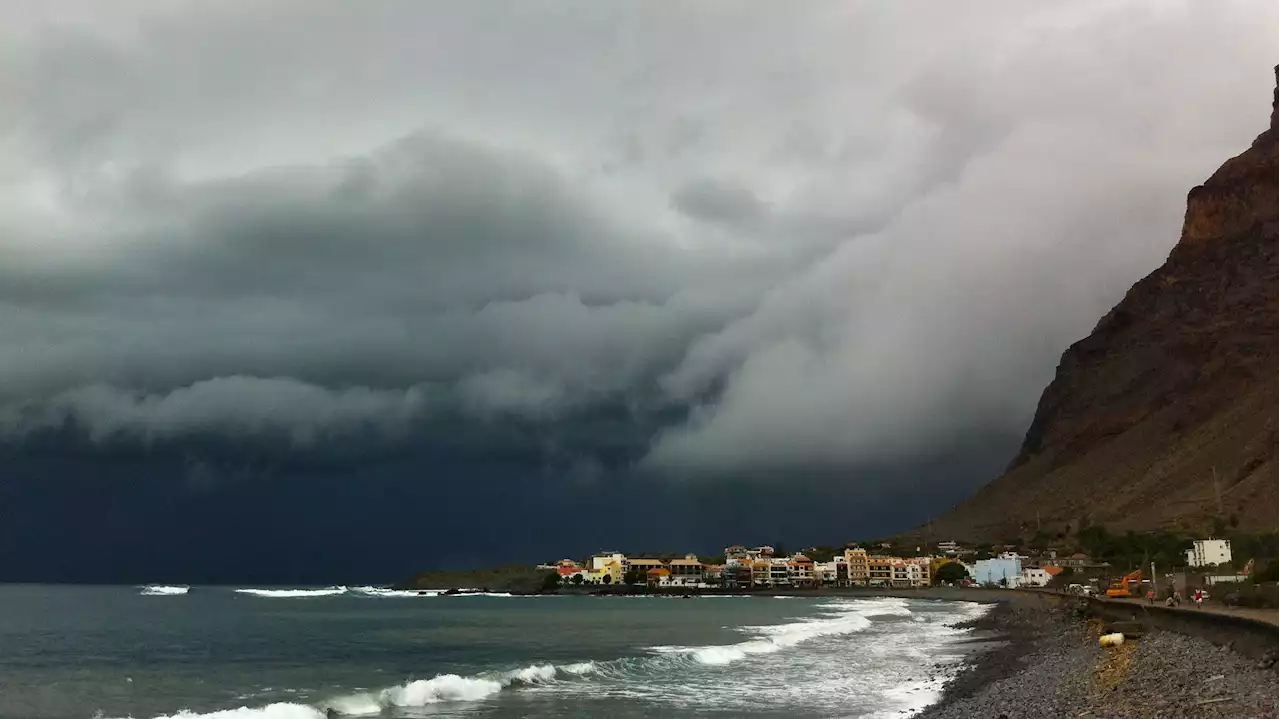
[1052,666]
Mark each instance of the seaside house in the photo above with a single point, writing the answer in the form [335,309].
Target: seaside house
[898,574]
[568,572]
[686,572]
[998,571]
[737,574]
[608,573]
[948,547]
[779,572]
[658,577]
[1034,577]
[926,569]
[643,564]
[603,559]
[879,571]
[760,573]
[859,571]
[831,574]
[800,571]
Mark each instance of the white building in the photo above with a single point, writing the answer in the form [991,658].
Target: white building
[998,572]
[602,560]
[948,547]
[1205,552]
[1034,577]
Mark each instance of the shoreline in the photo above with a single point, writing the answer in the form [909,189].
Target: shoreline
[1049,663]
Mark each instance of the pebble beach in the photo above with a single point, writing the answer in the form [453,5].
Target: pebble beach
[1049,664]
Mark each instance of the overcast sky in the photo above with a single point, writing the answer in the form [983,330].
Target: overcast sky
[698,243]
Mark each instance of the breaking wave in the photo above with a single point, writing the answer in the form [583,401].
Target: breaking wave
[419,693]
[841,617]
[294,593]
[163,590]
[846,619]
[384,592]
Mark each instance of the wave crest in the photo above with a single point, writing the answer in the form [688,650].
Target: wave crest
[294,593]
[163,590]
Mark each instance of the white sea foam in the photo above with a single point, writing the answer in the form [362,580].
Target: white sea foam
[775,638]
[294,593]
[384,592]
[444,688]
[163,590]
[281,710]
[690,676]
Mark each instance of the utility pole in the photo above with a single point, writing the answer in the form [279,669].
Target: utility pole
[1154,589]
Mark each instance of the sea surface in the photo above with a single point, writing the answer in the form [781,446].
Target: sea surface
[72,652]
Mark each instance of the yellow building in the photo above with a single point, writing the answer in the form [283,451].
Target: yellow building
[609,573]
[856,558]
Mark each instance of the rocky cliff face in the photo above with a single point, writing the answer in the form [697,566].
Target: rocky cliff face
[1165,414]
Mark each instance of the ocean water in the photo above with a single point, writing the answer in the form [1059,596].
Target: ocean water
[71,652]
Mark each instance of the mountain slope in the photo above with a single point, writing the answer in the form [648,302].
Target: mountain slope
[1175,386]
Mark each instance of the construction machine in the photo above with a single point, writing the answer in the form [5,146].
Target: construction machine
[1121,588]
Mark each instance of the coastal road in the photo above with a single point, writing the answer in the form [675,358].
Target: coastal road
[1270,616]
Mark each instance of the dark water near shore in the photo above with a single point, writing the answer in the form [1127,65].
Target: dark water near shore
[76,652]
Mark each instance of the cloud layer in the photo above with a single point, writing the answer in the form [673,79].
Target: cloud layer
[851,234]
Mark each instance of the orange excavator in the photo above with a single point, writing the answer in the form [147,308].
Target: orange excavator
[1121,588]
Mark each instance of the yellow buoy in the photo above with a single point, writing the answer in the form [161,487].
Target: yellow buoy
[1111,640]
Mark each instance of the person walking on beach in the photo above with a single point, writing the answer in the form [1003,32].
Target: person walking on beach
[1151,596]
[1177,597]
[1199,597]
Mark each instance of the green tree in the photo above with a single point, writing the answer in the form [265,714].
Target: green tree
[1219,527]
[550,581]
[578,580]
[633,576]
[950,572]
[608,579]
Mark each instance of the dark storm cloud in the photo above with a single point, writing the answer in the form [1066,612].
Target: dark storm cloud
[716,201]
[850,235]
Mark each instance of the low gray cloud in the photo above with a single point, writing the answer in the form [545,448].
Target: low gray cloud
[236,406]
[845,237]
[715,201]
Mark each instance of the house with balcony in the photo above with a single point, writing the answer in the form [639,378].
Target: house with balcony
[687,572]
[879,571]
[800,571]
[858,568]
[780,572]
[737,574]
[643,564]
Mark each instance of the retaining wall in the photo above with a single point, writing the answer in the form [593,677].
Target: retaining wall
[1245,635]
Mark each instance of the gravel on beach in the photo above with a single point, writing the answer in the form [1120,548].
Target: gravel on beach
[1052,666]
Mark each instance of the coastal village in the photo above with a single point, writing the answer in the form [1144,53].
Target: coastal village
[763,567]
